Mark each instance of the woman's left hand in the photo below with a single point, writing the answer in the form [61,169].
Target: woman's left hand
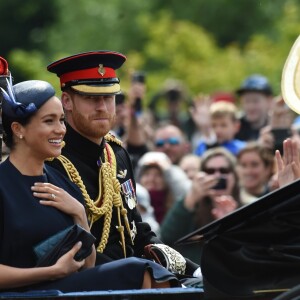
[51,195]
[54,196]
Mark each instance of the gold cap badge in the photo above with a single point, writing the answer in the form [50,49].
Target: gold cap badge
[101,70]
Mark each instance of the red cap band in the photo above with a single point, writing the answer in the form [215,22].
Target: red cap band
[92,73]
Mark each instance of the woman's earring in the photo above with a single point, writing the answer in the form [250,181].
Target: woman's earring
[21,136]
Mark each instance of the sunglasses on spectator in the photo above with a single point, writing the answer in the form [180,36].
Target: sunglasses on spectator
[170,141]
[211,171]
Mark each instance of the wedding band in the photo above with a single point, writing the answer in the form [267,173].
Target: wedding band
[53,196]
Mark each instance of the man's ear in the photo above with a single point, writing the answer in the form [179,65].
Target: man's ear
[66,101]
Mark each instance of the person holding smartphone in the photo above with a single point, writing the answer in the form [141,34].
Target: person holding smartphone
[138,129]
[214,193]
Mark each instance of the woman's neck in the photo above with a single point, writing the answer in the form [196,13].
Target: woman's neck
[256,191]
[27,165]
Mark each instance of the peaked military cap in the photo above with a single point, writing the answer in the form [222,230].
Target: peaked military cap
[90,73]
[25,98]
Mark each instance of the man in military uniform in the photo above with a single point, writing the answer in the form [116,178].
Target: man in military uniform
[95,160]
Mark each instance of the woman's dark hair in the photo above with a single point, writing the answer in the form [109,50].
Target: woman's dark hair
[7,131]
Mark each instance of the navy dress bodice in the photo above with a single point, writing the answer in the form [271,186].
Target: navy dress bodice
[25,222]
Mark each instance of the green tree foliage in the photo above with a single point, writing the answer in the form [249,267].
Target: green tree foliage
[208,45]
[91,24]
[30,65]
[23,24]
[229,21]
[185,51]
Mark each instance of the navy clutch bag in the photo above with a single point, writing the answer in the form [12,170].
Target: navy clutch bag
[51,249]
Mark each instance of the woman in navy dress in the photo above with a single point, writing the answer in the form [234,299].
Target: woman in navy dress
[36,202]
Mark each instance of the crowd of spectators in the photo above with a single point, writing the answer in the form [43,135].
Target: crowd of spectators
[200,167]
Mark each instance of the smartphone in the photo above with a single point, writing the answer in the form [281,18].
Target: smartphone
[140,77]
[280,134]
[221,184]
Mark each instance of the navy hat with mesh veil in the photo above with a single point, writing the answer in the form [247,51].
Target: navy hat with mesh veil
[25,98]
[91,73]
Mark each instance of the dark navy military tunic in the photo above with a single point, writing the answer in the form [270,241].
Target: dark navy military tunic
[85,155]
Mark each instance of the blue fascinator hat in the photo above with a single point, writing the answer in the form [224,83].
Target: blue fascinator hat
[25,98]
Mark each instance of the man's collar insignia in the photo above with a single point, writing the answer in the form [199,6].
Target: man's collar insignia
[122,174]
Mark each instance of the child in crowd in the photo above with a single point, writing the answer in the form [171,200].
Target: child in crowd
[225,124]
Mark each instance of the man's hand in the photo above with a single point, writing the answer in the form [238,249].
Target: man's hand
[281,116]
[199,112]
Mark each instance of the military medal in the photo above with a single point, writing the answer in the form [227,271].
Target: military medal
[130,202]
[128,190]
[133,197]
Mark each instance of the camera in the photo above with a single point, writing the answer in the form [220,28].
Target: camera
[139,76]
[280,134]
[221,184]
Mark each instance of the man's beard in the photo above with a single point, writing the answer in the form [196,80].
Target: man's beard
[88,129]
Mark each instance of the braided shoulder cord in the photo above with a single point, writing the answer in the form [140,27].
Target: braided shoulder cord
[93,212]
[111,197]
[111,138]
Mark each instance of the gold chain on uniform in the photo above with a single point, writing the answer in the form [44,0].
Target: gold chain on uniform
[110,197]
